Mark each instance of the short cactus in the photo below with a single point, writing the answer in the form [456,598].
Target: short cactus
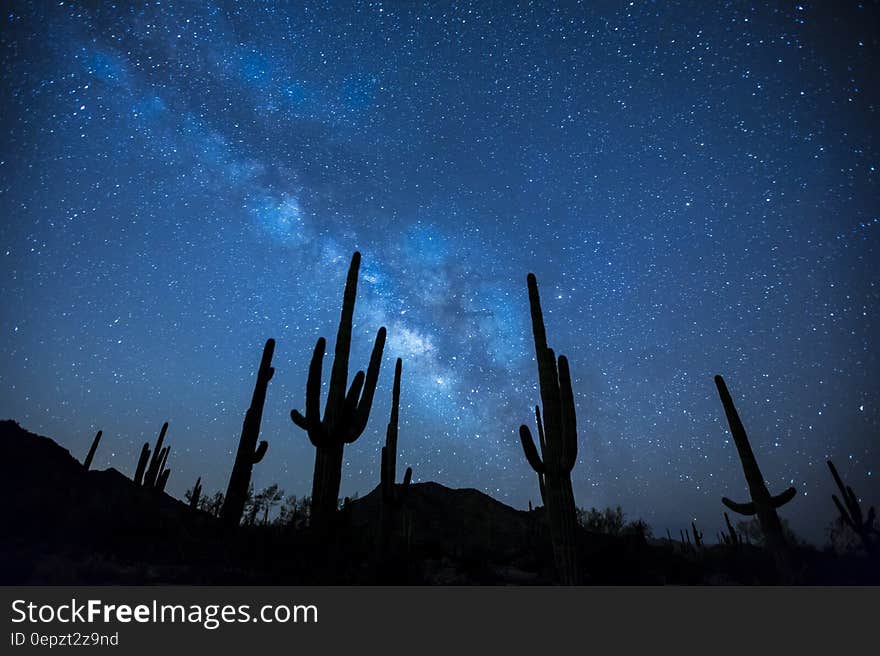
[851,514]
[731,537]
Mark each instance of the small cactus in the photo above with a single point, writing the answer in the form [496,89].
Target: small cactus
[698,536]
[851,514]
[155,475]
[196,494]
[731,537]
[87,463]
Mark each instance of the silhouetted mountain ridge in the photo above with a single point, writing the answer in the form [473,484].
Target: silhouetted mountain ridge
[63,524]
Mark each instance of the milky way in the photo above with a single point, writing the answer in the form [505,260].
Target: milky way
[694,185]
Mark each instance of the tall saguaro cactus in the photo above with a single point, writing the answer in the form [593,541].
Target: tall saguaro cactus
[388,472]
[557,436]
[87,463]
[762,504]
[392,510]
[249,452]
[345,414]
[851,514]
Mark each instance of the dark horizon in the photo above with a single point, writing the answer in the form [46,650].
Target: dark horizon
[695,189]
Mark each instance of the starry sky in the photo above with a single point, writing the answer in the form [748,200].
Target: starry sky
[695,186]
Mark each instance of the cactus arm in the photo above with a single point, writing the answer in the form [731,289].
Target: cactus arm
[163,480]
[369,390]
[297,418]
[339,372]
[836,476]
[741,508]
[852,502]
[528,445]
[844,515]
[783,497]
[407,477]
[260,451]
[354,392]
[154,468]
[311,422]
[142,464]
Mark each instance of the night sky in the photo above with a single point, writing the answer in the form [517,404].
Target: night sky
[694,185]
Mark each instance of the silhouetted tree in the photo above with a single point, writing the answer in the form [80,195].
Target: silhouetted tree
[294,512]
[213,504]
[609,521]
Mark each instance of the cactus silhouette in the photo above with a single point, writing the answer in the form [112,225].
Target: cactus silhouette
[141,468]
[851,514]
[392,511]
[731,538]
[155,475]
[196,495]
[345,414]
[390,492]
[249,452]
[557,436]
[698,536]
[762,504]
[87,463]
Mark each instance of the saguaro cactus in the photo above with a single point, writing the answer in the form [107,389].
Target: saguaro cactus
[196,495]
[730,538]
[388,473]
[392,511]
[157,460]
[345,414]
[155,475]
[851,514]
[557,436]
[249,452]
[762,504]
[91,454]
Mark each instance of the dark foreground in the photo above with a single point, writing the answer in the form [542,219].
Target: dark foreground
[62,524]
